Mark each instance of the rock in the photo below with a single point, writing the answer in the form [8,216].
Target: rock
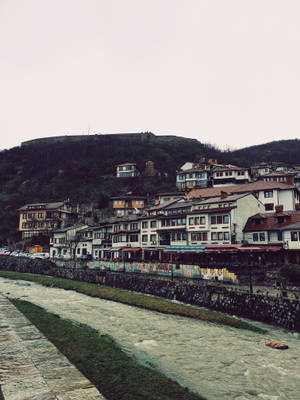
[276,345]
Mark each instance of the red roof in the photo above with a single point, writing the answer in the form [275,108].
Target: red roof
[249,187]
[269,221]
[279,173]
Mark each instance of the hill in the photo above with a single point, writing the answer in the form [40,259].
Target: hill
[283,151]
[82,168]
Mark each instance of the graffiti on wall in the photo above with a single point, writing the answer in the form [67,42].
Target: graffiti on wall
[185,271]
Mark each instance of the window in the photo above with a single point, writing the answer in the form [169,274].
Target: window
[226,235]
[133,226]
[144,238]
[199,236]
[196,220]
[202,221]
[294,236]
[255,237]
[262,236]
[134,238]
[220,235]
[145,224]
[214,236]
[220,219]
[153,224]
[24,216]
[268,193]
[279,236]
[153,238]
[191,221]
[269,206]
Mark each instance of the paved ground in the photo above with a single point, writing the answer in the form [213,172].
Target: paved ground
[31,368]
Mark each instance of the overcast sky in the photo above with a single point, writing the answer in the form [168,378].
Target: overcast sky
[225,72]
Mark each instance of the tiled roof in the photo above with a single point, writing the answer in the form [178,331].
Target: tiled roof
[188,171]
[47,206]
[230,168]
[279,173]
[296,225]
[219,199]
[249,187]
[162,205]
[211,210]
[269,221]
[121,165]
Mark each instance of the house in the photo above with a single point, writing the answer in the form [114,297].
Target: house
[291,242]
[42,218]
[64,241]
[84,247]
[270,194]
[220,220]
[102,240]
[127,170]
[193,178]
[279,176]
[128,204]
[260,169]
[267,228]
[160,198]
[230,175]
[171,223]
[125,235]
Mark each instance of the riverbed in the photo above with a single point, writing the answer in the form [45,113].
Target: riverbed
[215,361]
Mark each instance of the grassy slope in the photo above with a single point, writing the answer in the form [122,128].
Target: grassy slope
[98,357]
[134,299]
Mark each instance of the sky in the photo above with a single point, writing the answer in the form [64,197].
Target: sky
[226,72]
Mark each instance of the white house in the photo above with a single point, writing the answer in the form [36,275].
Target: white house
[221,220]
[63,242]
[230,175]
[127,170]
[270,194]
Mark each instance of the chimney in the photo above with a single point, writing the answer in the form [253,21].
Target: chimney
[297,206]
[279,208]
[223,194]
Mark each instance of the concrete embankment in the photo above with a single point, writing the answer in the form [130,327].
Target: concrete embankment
[31,367]
[284,312]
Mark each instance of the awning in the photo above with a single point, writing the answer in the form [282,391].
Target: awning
[221,251]
[131,249]
[184,249]
[260,248]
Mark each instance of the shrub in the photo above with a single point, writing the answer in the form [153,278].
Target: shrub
[291,272]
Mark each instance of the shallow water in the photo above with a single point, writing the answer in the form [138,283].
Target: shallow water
[216,361]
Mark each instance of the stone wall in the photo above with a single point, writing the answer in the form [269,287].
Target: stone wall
[279,311]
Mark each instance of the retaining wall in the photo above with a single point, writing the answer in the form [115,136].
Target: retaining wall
[284,312]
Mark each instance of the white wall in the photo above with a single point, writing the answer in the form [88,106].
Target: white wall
[246,207]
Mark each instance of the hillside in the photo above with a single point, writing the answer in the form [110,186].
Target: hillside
[284,151]
[83,169]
